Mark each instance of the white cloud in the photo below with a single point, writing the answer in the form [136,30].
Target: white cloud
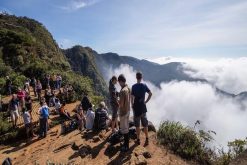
[74,5]
[228,74]
[188,102]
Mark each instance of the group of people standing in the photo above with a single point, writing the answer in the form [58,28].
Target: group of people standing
[121,103]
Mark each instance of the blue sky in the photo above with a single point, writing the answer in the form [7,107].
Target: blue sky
[144,29]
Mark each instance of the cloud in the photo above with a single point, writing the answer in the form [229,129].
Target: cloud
[228,74]
[178,25]
[74,5]
[188,102]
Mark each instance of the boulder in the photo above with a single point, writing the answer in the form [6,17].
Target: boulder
[84,151]
[140,160]
[96,139]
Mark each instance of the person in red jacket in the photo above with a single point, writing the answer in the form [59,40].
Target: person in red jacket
[21,97]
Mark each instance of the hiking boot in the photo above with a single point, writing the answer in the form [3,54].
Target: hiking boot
[146,142]
[138,142]
[124,148]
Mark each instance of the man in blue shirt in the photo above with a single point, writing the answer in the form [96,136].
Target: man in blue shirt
[139,106]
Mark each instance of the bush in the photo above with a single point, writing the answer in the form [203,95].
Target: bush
[186,142]
[5,126]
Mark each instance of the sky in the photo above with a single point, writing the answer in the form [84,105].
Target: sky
[143,29]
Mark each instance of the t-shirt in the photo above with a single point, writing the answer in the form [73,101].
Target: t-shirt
[44,111]
[26,117]
[125,99]
[90,119]
[138,91]
[13,105]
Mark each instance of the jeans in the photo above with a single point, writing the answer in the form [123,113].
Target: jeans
[43,124]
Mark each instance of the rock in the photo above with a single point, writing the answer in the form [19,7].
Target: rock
[140,160]
[96,139]
[147,155]
[102,134]
[84,151]
[139,151]
[75,146]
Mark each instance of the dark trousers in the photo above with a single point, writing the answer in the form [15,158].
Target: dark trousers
[43,126]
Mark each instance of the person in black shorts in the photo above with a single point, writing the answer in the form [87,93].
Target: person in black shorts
[114,103]
[139,106]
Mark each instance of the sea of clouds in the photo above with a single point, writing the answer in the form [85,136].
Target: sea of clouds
[188,102]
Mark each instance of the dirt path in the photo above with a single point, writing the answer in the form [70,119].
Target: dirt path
[57,148]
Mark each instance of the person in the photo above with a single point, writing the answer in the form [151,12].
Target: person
[53,81]
[44,115]
[59,81]
[85,103]
[47,81]
[114,103]
[64,113]
[27,86]
[8,86]
[90,117]
[101,120]
[13,109]
[80,119]
[28,123]
[28,103]
[138,102]
[48,95]
[124,111]
[39,89]
[21,96]
[57,105]
[33,85]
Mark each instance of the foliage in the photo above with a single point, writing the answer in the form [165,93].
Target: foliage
[185,141]
[5,126]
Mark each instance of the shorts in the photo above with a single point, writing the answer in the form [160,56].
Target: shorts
[14,114]
[114,111]
[124,124]
[142,118]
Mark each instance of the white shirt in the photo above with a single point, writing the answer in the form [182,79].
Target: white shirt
[90,119]
[26,117]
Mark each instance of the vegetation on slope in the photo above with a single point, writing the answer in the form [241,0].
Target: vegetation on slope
[27,49]
[194,145]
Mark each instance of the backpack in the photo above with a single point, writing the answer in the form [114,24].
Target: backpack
[45,112]
[116,138]
[100,119]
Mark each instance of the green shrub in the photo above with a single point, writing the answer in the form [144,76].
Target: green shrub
[5,126]
[185,141]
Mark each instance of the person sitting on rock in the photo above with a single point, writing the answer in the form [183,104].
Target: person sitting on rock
[90,117]
[81,120]
[102,119]
[64,113]
[57,105]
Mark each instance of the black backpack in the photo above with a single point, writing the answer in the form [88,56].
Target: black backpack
[100,120]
